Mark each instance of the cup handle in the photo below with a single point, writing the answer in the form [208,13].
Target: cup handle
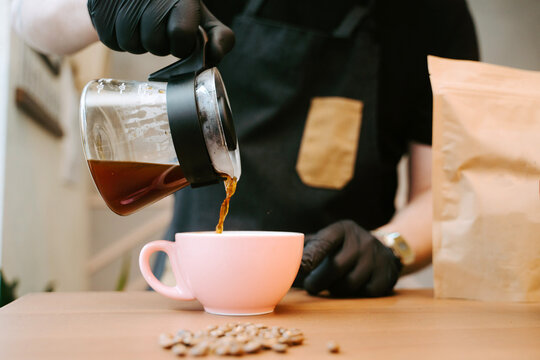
[180,291]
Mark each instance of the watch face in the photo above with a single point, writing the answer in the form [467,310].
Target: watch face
[406,254]
[401,248]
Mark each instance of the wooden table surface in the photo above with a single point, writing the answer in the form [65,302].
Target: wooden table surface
[409,325]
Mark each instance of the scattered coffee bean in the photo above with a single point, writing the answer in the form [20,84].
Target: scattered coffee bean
[234,339]
[217,333]
[222,350]
[332,346]
[199,350]
[242,338]
[281,348]
[268,343]
[166,341]
[296,340]
[283,340]
[252,347]
[236,349]
[183,332]
[179,350]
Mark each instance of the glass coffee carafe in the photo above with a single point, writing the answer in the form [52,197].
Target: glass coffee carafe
[146,140]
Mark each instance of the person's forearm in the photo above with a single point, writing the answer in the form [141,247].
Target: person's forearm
[413,222]
[53,26]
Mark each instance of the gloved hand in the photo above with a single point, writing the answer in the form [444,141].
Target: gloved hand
[348,261]
[161,27]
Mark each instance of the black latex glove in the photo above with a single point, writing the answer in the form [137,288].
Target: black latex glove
[161,27]
[348,261]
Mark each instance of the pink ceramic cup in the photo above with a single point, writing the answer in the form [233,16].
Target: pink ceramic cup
[233,273]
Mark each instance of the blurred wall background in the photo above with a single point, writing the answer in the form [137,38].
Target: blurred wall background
[45,217]
[53,224]
[4,90]
[509,32]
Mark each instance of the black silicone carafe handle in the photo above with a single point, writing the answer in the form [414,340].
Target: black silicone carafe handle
[194,63]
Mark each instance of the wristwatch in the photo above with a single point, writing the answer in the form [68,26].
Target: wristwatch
[397,244]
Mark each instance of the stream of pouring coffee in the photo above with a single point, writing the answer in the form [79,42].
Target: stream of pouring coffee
[230,188]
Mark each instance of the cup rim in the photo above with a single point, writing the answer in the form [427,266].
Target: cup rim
[238,233]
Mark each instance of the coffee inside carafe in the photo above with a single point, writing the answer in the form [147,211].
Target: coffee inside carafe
[129,186]
[146,140]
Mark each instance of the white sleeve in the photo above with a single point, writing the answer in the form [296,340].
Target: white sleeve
[53,26]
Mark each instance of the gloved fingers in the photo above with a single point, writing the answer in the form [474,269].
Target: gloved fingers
[327,273]
[385,274]
[343,259]
[353,247]
[309,238]
[338,261]
[311,258]
[183,26]
[103,16]
[128,30]
[220,37]
[321,245]
[154,20]
[352,282]
[301,275]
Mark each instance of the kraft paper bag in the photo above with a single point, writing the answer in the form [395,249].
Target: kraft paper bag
[486,181]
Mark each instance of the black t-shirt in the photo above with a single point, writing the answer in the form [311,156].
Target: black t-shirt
[408,32]
[271,195]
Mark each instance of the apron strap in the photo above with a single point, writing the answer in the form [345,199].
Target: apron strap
[344,30]
[351,21]
[253,6]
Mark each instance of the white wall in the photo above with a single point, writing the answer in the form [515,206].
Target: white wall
[509,31]
[45,214]
[4,89]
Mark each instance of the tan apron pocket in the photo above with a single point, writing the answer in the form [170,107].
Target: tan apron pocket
[327,153]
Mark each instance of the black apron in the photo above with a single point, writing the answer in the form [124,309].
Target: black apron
[271,75]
